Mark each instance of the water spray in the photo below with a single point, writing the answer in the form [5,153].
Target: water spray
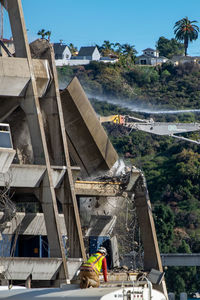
[140,108]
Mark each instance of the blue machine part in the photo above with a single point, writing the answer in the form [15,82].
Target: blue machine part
[95,242]
[44,250]
[5,139]
[5,245]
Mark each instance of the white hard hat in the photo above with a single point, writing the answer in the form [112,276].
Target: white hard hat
[102,250]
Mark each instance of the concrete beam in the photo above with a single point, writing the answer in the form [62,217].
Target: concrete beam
[181,259]
[20,268]
[152,259]
[30,224]
[18,28]
[30,176]
[6,158]
[93,188]
[15,76]
[88,142]
[54,95]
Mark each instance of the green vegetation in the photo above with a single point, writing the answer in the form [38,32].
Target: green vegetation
[166,85]
[171,167]
[169,48]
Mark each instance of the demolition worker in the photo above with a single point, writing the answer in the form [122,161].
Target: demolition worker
[89,271]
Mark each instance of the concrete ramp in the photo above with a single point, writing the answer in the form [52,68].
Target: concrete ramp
[89,144]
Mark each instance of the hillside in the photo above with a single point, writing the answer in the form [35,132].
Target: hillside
[171,167]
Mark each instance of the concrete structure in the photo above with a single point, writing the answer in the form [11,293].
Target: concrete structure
[151,57]
[7,152]
[58,139]
[39,135]
[181,259]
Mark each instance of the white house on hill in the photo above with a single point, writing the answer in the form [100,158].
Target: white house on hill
[62,54]
[90,53]
[85,55]
[151,57]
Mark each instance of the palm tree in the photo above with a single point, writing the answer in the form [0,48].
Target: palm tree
[185,30]
[42,32]
[118,47]
[48,34]
[129,51]
[107,45]
[106,48]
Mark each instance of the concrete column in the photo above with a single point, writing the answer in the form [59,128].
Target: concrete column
[152,259]
[52,128]
[73,243]
[18,27]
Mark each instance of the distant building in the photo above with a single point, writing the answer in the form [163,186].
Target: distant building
[9,45]
[84,57]
[180,59]
[62,54]
[90,53]
[107,59]
[151,57]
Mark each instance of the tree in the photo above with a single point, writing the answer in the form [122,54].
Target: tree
[185,30]
[164,222]
[48,34]
[169,48]
[118,48]
[42,32]
[129,51]
[107,48]
[107,45]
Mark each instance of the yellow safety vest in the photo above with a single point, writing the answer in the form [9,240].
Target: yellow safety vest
[95,261]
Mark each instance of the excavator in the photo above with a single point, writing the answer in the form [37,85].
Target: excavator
[149,125]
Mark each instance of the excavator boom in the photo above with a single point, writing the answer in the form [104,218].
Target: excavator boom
[167,128]
[159,128]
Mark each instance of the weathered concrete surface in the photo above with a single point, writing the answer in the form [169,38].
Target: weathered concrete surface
[152,259]
[30,224]
[93,188]
[6,158]
[89,144]
[20,268]
[15,76]
[7,107]
[56,135]
[30,176]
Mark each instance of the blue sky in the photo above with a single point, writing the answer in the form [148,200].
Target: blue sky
[90,22]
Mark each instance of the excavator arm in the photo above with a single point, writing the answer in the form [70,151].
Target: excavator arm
[159,128]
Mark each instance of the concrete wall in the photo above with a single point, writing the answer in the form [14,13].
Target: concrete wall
[71,62]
